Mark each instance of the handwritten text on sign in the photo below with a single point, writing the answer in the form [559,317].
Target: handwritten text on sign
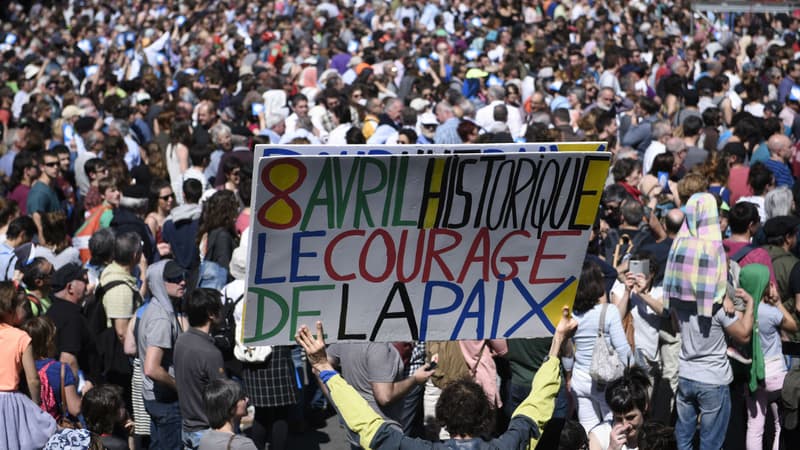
[429,247]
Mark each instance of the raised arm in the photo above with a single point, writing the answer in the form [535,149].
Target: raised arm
[353,409]
[540,403]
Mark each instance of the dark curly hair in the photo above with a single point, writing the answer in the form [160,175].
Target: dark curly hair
[590,287]
[464,410]
[219,211]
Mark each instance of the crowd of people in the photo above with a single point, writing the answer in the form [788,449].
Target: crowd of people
[128,131]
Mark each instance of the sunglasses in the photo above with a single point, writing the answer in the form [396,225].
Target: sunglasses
[176,279]
[167,197]
[51,164]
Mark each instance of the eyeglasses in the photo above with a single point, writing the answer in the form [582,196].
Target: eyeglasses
[167,197]
[51,164]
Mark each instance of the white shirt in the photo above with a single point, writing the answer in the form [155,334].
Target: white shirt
[654,149]
[196,174]
[646,322]
[338,135]
[757,200]
[603,434]
[485,117]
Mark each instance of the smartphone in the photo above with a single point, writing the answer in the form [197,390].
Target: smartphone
[256,108]
[431,365]
[663,180]
[639,266]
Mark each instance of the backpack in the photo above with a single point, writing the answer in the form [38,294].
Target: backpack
[619,246]
[109,361]
[224,333]
[452,366]
[46,393]
[733,275]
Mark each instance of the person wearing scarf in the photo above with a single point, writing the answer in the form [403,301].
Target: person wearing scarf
[768,370]
[694,289]
[696,273]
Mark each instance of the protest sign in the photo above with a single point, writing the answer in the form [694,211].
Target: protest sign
[263,150]
[428,247]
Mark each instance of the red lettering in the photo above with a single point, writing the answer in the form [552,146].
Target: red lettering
[512,261]
[329,256]
[433,253]
[540,255]
[401,277]
[391,254]
[481,241]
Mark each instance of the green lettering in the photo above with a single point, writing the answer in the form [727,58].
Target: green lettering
[263,294]
[296,305]
[397,221]
[387,205]
[362,207]
[324,183]
[342,197]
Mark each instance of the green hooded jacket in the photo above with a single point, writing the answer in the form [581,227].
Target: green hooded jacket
[754,278]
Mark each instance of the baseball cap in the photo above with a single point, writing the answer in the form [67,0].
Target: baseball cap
[173,272]
[428,119]
[66,274]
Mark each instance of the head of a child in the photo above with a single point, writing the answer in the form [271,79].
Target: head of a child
[109,191]
[103,407]
[11,303]
[627,398]
[225,401]
[42,331]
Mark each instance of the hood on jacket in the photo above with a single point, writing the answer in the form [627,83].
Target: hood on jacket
[185,212]
[157,287]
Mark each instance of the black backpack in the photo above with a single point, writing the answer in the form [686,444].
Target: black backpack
[224,333]
[109,363]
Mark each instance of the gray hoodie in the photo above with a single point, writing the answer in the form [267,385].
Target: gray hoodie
[188,211]
[158,327]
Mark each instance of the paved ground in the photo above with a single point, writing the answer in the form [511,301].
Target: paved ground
[331,437]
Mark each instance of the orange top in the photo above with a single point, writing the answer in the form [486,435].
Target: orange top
[13,342]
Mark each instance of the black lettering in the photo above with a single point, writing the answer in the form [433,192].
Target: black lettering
[407,313]
[486,179]
[342,335]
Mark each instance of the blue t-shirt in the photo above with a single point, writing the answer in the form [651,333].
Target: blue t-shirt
[42,199]
[54,377]
[783,177]
[760,154]
[769,328]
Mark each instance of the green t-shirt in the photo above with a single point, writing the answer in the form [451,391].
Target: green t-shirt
[525,357]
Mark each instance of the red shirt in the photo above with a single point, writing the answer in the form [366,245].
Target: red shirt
[737,183]
[756,256]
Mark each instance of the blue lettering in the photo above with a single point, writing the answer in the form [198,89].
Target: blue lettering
[260,254]
[297,254]
[477,292]
[536,308]
[426,303]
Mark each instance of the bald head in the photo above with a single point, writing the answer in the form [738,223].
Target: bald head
[673,221]
[780,146]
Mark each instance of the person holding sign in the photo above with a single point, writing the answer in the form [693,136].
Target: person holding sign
[459,408]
